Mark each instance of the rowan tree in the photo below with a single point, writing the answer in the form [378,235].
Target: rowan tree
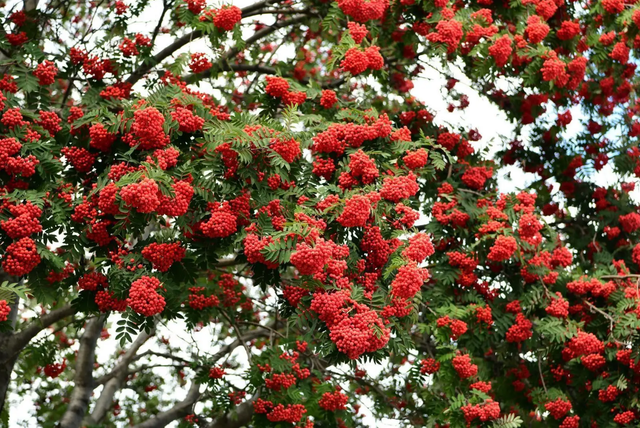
[226,215]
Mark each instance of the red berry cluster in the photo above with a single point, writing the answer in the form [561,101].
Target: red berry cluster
[50,121]
[188,122]
[224,18]
[536,30]
[416,159]
[625,418]
[558,408]
[361,333]
[92,281]
[463,366]
[311,260]
[46,73]
[199,62]
[357,31]
[289,149]
[558,307]
[476,177]
[278,87]
[356,61]
[503,248]
[196,6]
[328,98]
[54,370]
[292,413]
[280,381]
[363,11]
[356,212]
[333,401]
[429,366]
[147,131]
[363,167]
[143,297]
[396,188]
[198,301]
[630,222]
[458,327]
[448,32]
[420,247]
[107,302]
[501,50]
[142,196]
[24,222]
[128,47]
[488,411]
[521,330]
[483,315]
[162,256]
[5,309]
[80,158]
[222,223]
[12,118]
[179,204]
[21,257]
[408,281]
[216,372]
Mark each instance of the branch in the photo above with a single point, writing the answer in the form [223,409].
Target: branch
[233,52]
[115,380]
[240,417]
[184,40]
[619,276]
[181,409]
[22,338]
[83,380]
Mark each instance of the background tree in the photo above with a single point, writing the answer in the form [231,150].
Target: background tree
[238,215]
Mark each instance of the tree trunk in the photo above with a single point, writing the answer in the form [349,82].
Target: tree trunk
[83,380]
[6,368]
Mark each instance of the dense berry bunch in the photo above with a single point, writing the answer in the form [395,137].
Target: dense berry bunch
[503,248]
[463,366]
[521,330]
[333,401]
[408,281]
[46,73]
[227,17]
[147,130]
[558,408]
[5,309]
[142,196]
[328,98]
[143,297]
[488,411]
[92,281]
[188,121]
[162,256]
[363,11]
[356,212]
[429,366]
[199,62]
[20,257]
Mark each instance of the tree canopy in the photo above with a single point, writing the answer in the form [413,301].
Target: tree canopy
[226,215]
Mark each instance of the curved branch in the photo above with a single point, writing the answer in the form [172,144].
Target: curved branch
[22,338]
[240,417]
[233,52]
[83,380]
[181,409]
[115,379]
[188,38]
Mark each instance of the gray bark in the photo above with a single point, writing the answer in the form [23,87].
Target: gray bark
[83,380]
